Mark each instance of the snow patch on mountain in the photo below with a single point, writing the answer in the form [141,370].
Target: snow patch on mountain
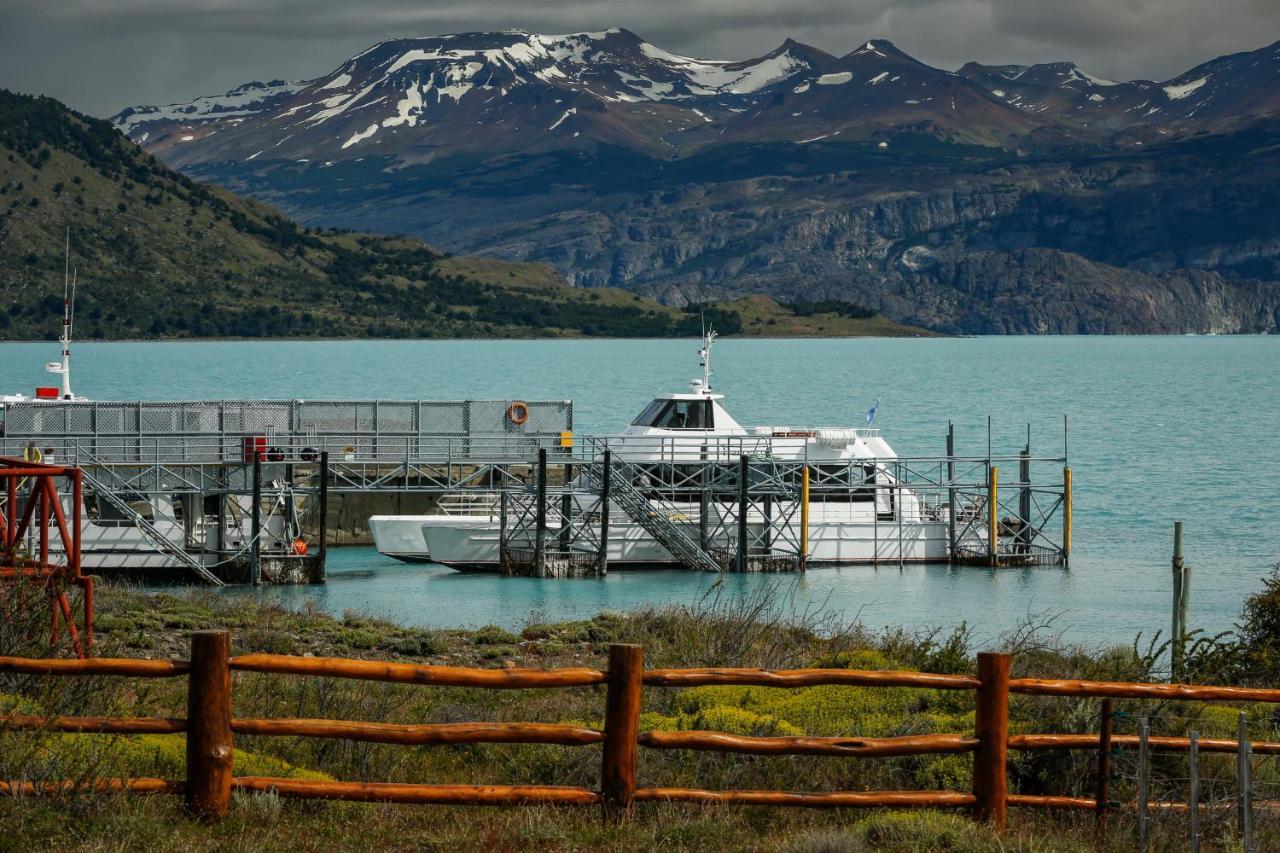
[572,111]
[241,101]
[1179,91]
[408,110]
[837,79]
[718,76]
[359,136]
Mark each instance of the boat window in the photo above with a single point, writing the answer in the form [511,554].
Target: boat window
[650,413]
[677,414]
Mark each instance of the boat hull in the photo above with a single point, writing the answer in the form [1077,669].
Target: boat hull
[474,544]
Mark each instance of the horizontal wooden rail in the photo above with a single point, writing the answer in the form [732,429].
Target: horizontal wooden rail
[850,746]
[806,678]
[209,727]
[1039,802]
[136,786]
[100,725]
[417,735]
[407,673]
[1089,804]
[1157,744]
[95,666]
[1134,690]
[394,792]
[838,800]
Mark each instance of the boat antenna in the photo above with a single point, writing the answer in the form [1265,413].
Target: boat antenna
[704,357]
[68,313]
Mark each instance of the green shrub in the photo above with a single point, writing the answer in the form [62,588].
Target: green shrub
[492,635]
[419,645]
[923,831]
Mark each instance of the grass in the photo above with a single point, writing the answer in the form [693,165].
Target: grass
[758,632]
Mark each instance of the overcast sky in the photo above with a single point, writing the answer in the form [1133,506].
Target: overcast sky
[102,55]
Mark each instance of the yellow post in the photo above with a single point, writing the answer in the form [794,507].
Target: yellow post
[993,520]
[804,518]
[1066,512]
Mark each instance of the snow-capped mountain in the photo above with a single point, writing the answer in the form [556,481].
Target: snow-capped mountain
[1225,88]
[519,91]
[991,199]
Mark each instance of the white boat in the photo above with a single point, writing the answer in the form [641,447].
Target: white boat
[874,519]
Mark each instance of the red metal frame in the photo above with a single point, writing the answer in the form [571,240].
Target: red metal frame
[31,498]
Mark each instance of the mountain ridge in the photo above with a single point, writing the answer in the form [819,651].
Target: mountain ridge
[161,255]
[868,176]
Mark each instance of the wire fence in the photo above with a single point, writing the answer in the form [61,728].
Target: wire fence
[1209,774]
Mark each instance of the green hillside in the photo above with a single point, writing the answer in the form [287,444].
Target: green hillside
[163,256]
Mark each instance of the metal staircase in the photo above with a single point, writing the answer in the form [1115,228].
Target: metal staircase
[158,540]
[655,514]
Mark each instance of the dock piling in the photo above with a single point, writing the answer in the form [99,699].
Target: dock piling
[607,463]
[1181,602]
[540,532]
[319,574]
[951,492]
[744,545]
[993,516]
[255,524]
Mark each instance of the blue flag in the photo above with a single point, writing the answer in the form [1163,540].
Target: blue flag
[871,413]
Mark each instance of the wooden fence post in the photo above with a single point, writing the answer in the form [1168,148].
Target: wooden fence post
[621,728]
[991,727]
[209,754]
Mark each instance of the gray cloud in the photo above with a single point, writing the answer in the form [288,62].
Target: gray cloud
[102,55]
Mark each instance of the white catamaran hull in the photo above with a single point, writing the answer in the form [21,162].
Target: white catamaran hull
[839,536]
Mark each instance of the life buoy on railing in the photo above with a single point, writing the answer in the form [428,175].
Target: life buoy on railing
[518,412]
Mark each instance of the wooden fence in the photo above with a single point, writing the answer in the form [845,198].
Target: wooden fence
[210,726]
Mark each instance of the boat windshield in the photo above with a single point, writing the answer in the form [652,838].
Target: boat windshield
[676,414]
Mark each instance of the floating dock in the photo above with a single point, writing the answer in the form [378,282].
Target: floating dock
[237,491]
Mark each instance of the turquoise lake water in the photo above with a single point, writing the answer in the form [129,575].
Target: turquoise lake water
[1161,429]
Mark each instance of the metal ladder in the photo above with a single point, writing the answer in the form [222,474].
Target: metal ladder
[158,540]
[654,514]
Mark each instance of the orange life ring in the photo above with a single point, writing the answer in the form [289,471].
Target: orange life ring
[518,412]
[300,547]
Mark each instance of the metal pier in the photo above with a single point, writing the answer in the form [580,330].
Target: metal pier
[560,498]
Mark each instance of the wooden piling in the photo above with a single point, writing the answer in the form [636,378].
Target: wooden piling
[209,749]
[991,727]
[621,729]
